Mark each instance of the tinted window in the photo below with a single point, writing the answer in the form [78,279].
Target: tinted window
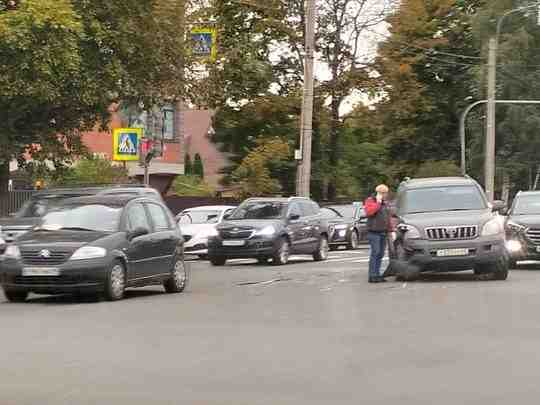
[259,210]
[328,213]
[137,217]
[527,205]
[294,209]
[307,208]
[94,217]
[435,199]
[159,217]
[40,206]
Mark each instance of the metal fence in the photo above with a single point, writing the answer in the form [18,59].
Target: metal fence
[13,200]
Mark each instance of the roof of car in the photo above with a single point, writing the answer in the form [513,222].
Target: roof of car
[112,200]
[88,190]
[532,192]
[210,207]
[277,199]
[437,182]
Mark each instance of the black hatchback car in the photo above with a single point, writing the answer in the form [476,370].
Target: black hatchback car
[272,228]
[523,227]
[99,244]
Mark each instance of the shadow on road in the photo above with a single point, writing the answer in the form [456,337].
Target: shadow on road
[70,299]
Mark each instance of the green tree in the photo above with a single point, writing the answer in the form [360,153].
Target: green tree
[188,166]
[93,171]
[437,168]
[198,167]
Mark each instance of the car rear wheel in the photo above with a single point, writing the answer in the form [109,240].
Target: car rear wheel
[321,253]
[179,279]
[353,242]
[281,256]
[218,260]
[16,295]
[116,282]
[499,269]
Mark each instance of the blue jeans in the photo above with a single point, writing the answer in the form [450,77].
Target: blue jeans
[377,244]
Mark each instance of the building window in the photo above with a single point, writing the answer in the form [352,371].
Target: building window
[168,123]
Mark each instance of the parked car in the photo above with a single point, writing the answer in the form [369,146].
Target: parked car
[446,224]
[270,228]
[523,227]
[101,244]
[198,223]
[31,212]
[347,225]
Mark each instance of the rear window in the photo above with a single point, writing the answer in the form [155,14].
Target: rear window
[439,199]
[527,205]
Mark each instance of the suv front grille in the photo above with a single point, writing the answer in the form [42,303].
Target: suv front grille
[243,233]
[452,232]
[534,235]
[33,257]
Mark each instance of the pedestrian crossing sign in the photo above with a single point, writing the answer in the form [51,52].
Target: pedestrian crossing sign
[126,143]
[204,43]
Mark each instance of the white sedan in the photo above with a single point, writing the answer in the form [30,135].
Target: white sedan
[198,224]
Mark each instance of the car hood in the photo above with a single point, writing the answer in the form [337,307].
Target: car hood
[529,221]
[18,223]
[448,218]
[194,229]
[249,223]
[58,240]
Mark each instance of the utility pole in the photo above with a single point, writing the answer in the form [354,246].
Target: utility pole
[489,170]
[306,126]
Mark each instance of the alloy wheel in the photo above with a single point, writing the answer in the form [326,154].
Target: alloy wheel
[118,281]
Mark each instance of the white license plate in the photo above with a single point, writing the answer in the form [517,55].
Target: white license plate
[234,242]
[40,271]
[452,252]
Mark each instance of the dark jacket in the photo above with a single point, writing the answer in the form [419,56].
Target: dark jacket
[378,216]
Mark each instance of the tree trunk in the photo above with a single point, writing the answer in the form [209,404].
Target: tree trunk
[334,148]
[536,178]
[4,176]
[505,187]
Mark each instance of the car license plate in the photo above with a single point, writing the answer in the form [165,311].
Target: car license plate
[40,271]
[234,242]
[452,252]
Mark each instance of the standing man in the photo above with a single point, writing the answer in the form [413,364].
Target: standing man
[379,225]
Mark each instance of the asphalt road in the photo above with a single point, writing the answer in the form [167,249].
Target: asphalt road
[307,333]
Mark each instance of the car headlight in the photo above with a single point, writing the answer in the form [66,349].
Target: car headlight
[514,226]
[492,227]
[266,231]
[513,246]
[341,226]
[89,252]
[12,252]
[409,231]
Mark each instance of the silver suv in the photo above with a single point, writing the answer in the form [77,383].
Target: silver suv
[447,224]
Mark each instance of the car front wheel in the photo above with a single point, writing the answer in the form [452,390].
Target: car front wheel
[321,253]
[116,282]
[218,260]
[353,242]
[16,295]
[281,256]
[179,278]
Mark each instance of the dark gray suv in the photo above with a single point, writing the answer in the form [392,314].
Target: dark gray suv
[447,224]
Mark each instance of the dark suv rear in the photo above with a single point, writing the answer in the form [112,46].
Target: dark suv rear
[447,224]
[270,228]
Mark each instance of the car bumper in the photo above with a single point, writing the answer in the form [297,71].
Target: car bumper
[252,248]
[481,251]
[83,275]
[196,247]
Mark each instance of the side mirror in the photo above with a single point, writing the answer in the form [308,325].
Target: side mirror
[294,217]
[227,215]
[137,232]
[498,206]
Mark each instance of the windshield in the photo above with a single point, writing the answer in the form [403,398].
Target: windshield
[346,211]
[329,213]
[527,205]
[199,217]
[436,199]
[260,210]
[38,207]
[85,217]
